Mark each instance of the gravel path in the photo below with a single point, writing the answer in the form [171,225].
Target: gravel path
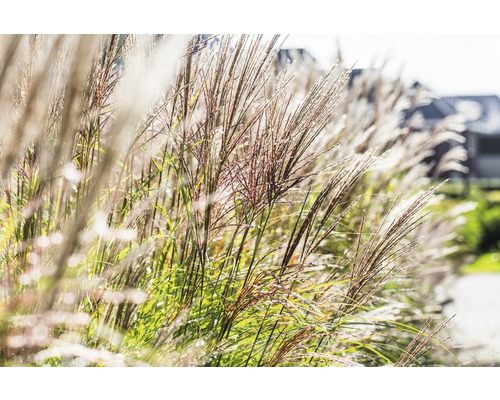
[476,325]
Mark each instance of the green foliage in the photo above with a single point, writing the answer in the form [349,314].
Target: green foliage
[493,197]
[470,236]
[488,262]
[490,229]
[481,232]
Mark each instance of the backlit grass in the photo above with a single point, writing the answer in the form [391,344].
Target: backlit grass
[186,201]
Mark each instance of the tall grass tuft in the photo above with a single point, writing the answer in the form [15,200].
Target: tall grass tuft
[184,201]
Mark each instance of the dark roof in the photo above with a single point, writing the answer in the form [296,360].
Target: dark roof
[355,72]
[482,112]
[436,109]
[286,56]
[486,120]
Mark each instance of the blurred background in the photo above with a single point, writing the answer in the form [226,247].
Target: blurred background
[448,64]
[460,72]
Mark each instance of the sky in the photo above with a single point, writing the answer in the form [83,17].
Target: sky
[460,64]
[452,47]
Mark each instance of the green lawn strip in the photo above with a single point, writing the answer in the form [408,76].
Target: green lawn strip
[488,262]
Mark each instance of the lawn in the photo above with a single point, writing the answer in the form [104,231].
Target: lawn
[489,262]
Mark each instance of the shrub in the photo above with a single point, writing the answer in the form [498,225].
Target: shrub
[490,230]
[481,232]
[472,232]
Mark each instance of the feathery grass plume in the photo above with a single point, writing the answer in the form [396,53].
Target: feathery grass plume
[373,112]
[186,201]
[419,344]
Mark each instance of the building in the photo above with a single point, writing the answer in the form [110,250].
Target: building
[481,115]
[482,130]
[482,133]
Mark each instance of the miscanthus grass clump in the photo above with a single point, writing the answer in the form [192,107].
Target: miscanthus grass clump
[178,201]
